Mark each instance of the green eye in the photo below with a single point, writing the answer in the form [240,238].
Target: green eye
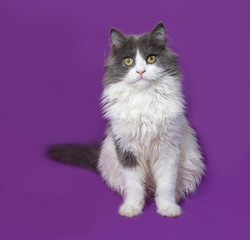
[151,59]
[128,61]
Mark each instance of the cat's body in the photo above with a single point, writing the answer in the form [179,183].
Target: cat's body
[149,146]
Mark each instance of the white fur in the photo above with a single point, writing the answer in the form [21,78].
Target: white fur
[147,116]
[152,73]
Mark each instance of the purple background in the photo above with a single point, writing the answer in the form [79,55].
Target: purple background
[51,66]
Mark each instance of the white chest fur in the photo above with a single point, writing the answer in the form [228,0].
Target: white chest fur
[139,116]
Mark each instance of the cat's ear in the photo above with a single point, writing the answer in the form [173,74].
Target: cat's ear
[117,38]
[158,33]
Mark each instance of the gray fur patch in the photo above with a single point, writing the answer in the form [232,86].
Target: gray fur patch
[81,155]
[126,158]
[152,43]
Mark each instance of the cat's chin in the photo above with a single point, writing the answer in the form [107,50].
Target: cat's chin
[141,83]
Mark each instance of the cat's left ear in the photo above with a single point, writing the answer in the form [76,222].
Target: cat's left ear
[117,38]
[158,33]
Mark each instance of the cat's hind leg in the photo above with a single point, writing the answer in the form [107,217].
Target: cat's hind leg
[126,180]
[191,167]
[109,166]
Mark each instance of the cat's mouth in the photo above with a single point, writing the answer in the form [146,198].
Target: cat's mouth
[141,78]
[141,82]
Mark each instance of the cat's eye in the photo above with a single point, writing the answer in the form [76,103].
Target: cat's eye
[128,61]
[151,59]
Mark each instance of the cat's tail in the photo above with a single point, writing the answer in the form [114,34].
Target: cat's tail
[80,155]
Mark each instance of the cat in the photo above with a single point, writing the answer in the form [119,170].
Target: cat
[150,147]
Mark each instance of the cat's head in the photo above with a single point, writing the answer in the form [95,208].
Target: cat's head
[140,60]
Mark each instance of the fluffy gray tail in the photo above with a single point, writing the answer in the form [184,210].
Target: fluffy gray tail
[80,155]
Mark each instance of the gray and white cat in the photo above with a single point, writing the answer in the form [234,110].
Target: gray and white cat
[149,146]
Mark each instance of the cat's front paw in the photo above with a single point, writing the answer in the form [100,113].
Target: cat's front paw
[130,210]
[169,210]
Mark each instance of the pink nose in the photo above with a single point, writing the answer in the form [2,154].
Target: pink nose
[141,71]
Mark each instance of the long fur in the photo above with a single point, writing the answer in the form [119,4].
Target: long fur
[143,119]
[149,145]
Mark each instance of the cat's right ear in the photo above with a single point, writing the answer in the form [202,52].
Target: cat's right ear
[117,38]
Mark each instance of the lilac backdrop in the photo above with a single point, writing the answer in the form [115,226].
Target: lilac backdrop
[51,66]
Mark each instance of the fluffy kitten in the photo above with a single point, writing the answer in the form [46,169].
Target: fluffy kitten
[149,145]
